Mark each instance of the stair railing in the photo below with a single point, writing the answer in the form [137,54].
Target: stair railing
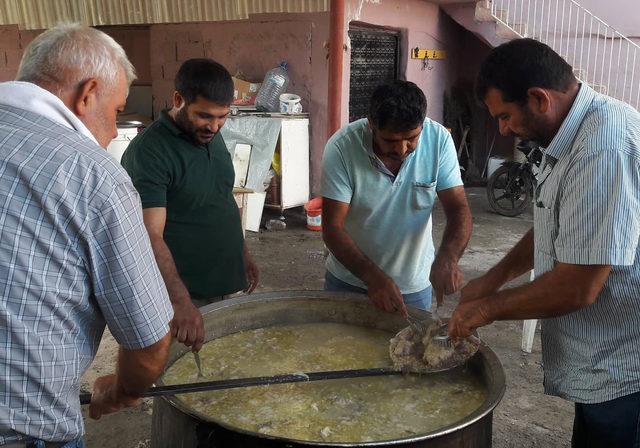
[601,56]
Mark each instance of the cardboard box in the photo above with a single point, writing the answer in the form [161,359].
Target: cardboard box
[244,92]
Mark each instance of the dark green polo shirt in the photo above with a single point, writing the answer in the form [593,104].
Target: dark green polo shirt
[195,184]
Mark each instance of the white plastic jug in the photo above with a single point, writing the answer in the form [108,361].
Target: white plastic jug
[275,84]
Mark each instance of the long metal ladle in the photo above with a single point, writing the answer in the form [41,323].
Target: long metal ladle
[203,386]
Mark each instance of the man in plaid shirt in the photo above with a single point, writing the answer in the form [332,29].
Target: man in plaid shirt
[74,252]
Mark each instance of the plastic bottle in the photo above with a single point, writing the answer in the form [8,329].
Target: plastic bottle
[275,84]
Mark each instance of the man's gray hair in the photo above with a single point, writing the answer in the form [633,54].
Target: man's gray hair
[67,55]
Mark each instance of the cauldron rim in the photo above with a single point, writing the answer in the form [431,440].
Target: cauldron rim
[484,355]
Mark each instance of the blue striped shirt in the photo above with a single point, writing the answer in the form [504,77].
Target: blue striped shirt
[74,255]
[588,213]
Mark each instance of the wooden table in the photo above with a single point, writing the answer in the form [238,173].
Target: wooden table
[240,195]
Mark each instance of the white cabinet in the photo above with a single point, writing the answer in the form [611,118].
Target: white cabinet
[293,146]
[254,139]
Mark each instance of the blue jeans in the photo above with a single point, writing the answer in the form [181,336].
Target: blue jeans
[612,424]
[420,299]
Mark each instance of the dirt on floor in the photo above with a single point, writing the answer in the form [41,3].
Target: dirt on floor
[293,259]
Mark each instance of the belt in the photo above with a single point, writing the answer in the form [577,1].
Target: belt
[31,444]
[26,441]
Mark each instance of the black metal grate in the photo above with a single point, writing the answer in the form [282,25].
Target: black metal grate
[374,61]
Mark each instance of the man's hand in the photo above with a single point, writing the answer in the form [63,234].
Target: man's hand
[446,278]
[467,317]
[252,273]
[385,294]
[187,324]
[108,397]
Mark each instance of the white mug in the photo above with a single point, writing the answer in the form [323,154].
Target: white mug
[290,104]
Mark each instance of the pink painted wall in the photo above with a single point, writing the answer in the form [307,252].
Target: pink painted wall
[425,25]
[135,41]
[12,44]
[623,15]
[422,24]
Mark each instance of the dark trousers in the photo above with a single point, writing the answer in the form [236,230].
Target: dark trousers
[612,424]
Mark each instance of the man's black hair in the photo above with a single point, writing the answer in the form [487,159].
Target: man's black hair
[515,67]
[205,78]
[397,106]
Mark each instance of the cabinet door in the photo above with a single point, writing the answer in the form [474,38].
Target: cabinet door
[294,157]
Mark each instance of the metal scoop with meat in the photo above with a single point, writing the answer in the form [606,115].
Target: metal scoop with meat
[423,349]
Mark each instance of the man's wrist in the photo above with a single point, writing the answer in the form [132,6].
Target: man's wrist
[180,299]
[489,309]
[445,258]
[126,392]
[495,277]
[372,275]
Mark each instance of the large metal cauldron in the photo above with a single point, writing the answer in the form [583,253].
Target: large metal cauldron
[177,426]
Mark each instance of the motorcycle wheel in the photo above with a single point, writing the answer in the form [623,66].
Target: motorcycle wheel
[508,196]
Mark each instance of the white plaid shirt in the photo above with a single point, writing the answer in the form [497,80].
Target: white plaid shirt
[74,255]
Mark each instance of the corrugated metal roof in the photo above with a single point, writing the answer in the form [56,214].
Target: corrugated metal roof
[8,12]
[114,12]
[39,14]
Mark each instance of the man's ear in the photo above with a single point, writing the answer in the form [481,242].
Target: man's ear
[85,97]
[178,100]
[539,100]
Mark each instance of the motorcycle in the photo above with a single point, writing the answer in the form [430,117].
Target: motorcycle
[510,188]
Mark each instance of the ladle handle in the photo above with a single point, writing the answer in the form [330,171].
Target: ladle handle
[203,386]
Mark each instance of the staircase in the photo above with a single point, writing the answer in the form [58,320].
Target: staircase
[601,56]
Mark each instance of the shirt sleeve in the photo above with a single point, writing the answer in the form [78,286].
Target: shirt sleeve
[149,172]
[448,167]
[599,210]
[336,181]
[126,280]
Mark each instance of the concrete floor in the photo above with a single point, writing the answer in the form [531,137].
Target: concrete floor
[294,259]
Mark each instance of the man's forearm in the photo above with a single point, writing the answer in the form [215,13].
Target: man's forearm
[457,233]
[518,261]
[349,254]
[137,370]
[175,286]
[564,289]
[245,249]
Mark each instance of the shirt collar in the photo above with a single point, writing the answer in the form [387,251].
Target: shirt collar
[377,163]
[35,99]
[563,140]
[166,120]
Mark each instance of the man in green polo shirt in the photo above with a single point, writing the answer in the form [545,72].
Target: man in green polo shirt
[184,174]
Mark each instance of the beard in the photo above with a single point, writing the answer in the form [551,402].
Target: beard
[534,125]
[199,136]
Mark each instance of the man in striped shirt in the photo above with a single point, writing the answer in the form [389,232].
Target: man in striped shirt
[584,244]
[74,252]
